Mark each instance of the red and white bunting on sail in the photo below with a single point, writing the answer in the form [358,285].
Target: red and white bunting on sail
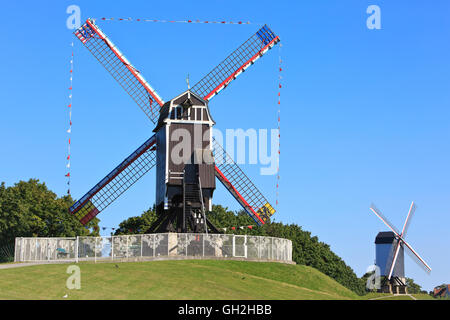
[69,130]
[176,21]
[280,69]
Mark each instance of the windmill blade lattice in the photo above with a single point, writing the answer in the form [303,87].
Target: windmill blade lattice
[384,219]
[241,187]
[116,182]
[419,261]
[397,248]
[120,68]
[239,60]
[413,252]
[408,220]
[390,260]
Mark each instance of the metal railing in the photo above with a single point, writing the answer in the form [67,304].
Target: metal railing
[153,246]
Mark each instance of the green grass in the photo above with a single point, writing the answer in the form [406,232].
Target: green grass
[185,279]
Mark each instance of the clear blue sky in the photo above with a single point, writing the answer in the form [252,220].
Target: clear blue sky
[365,113]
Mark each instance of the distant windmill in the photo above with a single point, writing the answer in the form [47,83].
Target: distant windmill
[390,248]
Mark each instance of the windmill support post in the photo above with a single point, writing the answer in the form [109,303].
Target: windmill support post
[76,248]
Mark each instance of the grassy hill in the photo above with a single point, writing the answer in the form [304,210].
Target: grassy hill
[185,279]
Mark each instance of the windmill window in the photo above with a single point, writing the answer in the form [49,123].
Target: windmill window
[198,115]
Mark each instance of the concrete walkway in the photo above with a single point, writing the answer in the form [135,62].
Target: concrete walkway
[394,295]
[27,264]
[383,297]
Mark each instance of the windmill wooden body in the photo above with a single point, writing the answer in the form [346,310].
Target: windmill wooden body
[185,173]
[185,181]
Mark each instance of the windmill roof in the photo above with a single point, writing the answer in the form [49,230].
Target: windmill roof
[195,99]
[163,114]
[385,237]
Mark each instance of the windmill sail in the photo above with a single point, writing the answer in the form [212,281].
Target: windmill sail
[120,68]
[417,257]
[409,217]
[236,63]
[384,220]
[419,261]
[116,182]
[241,187]
[391,267]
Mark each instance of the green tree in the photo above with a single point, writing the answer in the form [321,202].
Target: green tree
[412,286]
[139,224]
[30,209]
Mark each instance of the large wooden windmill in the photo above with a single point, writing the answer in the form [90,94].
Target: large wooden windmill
[185,180]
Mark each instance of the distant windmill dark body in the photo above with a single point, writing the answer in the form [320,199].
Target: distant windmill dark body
[390,247]
[384,242]
[185,170]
